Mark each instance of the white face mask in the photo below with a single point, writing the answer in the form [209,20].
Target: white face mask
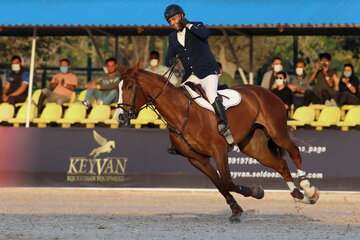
[278,67]
[279,82]
[154,62]
[15,67]
[299,71]
[347,73]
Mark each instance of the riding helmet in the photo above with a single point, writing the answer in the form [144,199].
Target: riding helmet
[172,10]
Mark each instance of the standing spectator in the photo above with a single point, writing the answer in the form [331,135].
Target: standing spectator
[63,85]
[225,80]
[281,90]
[15,89]
[347,87]
[104,89]
[269,77]
[323,76]
[299,84]
[156,67]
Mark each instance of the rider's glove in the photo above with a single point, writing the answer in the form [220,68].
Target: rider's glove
[183,22]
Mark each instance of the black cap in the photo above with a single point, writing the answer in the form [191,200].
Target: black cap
[172,10]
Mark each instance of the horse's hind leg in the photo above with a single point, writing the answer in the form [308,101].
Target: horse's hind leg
[203,164]
[257,147]
[282,139]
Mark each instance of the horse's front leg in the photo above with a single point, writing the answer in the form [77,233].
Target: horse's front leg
[221,159]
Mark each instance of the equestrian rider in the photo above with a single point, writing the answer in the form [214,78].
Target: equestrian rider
[189,42]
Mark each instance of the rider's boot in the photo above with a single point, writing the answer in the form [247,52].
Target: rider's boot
[223,125]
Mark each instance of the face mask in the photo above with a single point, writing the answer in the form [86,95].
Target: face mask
[64,69]
[15,67]
[347,73]
[154,62]
[278,67]
[299,71]
[279,81]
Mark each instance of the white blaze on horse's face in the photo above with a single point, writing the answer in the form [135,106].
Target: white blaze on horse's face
[119,111]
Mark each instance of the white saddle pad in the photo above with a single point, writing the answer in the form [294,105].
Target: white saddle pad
[230,98]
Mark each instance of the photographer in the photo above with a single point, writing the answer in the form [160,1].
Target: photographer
[324,79]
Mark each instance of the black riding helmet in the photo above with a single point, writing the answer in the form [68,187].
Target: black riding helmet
[172,10]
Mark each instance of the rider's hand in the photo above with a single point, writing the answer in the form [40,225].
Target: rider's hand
[183,22]
[173,61]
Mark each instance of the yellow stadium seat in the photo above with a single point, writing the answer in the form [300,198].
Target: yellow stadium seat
[51,113]
[112,122]
[74,114]
[72,100]
[302,116]
[7,111]
[82,96]
[352,119]
[35,98]
[346,108]
[328,116]
[21,115]
[317,108]
[99,113]
[146,116]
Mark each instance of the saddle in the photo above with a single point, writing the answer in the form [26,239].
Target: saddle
[199,90]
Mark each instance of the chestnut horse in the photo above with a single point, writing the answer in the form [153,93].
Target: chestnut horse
[258,125]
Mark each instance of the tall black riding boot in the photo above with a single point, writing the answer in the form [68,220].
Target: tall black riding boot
[223,125]
[41,101]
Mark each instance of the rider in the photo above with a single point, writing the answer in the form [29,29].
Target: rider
[189,42]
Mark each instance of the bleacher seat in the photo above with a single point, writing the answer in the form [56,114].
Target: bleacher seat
[7,111]
[72,100]
[51,113]
[317,108]
[145,116]
[98,114]
[346,108]
[113,123]
[328,116]
[302,116]
[352,119]
[74,114]
[21,115]
[35,98]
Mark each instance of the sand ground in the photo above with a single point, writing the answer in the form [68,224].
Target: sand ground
[58,213]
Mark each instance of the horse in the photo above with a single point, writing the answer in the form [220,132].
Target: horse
[258,125]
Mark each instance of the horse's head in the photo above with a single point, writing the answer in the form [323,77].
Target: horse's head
[131,95]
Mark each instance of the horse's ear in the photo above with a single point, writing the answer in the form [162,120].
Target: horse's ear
[136,68]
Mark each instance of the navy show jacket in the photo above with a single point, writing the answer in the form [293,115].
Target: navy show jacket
[196,56]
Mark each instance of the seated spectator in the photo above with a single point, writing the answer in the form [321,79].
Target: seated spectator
[269,77]
[16,86]
[225,79]
[104,89]
[323,76]
[63,85]
[347,87]
[299,84]
[280,89]
[156,67]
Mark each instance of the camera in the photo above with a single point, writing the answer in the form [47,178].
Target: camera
[324,64]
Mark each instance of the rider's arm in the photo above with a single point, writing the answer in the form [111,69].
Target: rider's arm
[200,30]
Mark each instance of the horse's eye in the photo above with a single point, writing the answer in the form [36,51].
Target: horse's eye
[130,87]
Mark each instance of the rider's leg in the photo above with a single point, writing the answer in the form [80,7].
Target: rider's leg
[209,84]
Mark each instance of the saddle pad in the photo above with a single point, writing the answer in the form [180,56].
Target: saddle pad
[230,98]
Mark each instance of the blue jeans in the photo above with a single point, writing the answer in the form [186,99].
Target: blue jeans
[100,96]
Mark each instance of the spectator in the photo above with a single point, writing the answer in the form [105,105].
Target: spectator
[225,79]
[269,77]
[104,89]
[156,67]
[347,87]
[15,89]
[299,84]
[281,90]
[323,77]
[63,85]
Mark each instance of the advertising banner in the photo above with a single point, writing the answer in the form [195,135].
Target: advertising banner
[103,157]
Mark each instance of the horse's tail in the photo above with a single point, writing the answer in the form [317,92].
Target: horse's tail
[275,149]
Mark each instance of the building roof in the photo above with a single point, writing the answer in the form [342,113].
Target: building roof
[144,17]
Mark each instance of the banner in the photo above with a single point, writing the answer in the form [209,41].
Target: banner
[138,158]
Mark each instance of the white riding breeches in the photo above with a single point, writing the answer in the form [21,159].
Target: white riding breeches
[209,84]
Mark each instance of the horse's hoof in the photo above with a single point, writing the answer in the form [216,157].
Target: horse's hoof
[257,191]
[235,219]
[315,196]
